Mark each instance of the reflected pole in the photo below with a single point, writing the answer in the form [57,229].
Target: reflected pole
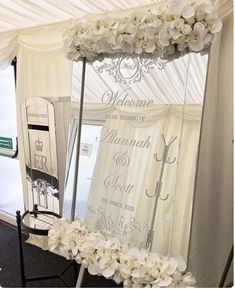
[79,130]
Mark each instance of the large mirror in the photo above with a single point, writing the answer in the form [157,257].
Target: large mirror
[140,134]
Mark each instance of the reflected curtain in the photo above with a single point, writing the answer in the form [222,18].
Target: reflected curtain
[118,204]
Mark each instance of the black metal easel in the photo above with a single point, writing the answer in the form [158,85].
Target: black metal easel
[42,232]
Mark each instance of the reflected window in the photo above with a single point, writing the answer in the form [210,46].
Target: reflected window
[88,154]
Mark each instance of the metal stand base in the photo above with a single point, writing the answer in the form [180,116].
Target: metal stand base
[25,279]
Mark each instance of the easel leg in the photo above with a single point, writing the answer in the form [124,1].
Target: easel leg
[80,276]
[22,270]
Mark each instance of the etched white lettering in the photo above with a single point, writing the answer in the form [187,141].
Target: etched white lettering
[124,99]
[114,183]
[112,137]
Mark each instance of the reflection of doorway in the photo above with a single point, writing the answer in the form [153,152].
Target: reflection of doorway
[89,138]
[88,153]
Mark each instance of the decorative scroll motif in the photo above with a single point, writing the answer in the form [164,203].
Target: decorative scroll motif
[129,69]
[109,225]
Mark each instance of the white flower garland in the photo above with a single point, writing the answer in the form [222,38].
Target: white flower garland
[162,30]
[114,260]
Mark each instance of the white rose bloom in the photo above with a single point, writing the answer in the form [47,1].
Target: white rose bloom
[177,276]
[172,266]
[86,43]
[207,39]
[189,280]
[93,270]
[78,259]
[138,49]
[136,285]
[181,264]
[186,29]
[190,21]
[162,282]
[140,33]
[188,11]
[138,272]
[216,26]
[124,275]
[164,38]
[128,45]
[174,33]
[154,272]
[55,234]
[174,7]
[63,252]
[199,27]
[85,262]
[74,55]
[207,7]
[101,46]
[149,32]
[117,277]
[113,244]
[165,264]
[76,40]
[179,23]
[153,260]
[127,283]
[156,22]
[150,46]
[70,242]
[83,232]
[200,15]
[195,42]
[196,46]
[181,39]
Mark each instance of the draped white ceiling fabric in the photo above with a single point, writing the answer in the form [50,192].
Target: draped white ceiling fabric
[18,14]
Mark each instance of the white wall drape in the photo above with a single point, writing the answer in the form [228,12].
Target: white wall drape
[212,227]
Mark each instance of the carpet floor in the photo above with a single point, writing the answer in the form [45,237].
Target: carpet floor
[38,262]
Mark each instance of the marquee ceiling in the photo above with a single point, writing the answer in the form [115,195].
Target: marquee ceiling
[18,14]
